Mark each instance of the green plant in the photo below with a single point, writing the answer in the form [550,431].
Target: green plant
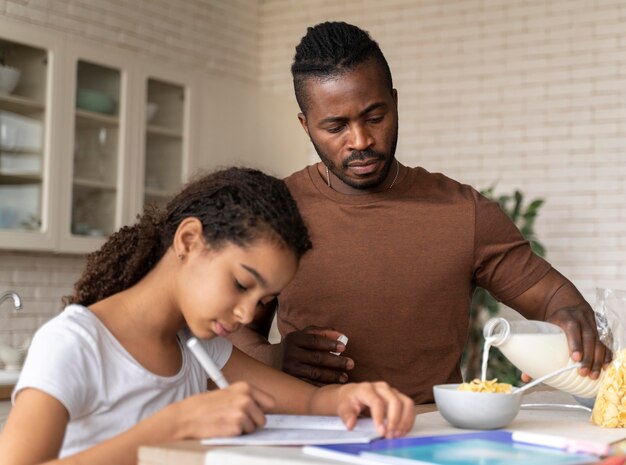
[484,306]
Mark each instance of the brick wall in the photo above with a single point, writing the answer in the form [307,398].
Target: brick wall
[521,94]
[217,35]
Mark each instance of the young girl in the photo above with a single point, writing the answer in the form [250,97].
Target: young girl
[112,372]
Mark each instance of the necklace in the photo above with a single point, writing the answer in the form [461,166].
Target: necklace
[395,178]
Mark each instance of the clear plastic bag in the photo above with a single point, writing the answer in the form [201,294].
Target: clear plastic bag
[609,410]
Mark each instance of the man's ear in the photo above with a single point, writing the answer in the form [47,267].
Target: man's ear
[394,92]
[303,122]
[188,237]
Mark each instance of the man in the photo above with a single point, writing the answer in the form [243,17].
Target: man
[397,251]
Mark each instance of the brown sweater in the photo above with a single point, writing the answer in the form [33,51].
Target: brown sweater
[395,271]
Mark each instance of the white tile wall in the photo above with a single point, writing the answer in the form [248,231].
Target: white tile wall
[41,281]
[525,94]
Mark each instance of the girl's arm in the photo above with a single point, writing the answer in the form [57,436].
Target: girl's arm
[34,430]
[36,426]
[392,412]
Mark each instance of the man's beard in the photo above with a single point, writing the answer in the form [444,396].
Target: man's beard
[361,155]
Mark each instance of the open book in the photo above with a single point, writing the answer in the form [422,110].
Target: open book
[294,430]
[481,448]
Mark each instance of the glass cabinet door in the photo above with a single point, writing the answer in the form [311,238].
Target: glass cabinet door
[163,169]
[23,80]
[96,150]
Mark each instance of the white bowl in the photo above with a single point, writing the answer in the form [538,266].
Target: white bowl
[95,100]
[9,378]
[476,410]
[19,132]
[9,77]
[11,357]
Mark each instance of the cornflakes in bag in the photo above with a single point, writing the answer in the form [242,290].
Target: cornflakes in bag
[609,410]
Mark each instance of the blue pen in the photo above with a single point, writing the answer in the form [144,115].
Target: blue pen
[207,363]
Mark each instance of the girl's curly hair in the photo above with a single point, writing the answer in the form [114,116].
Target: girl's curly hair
[235,205]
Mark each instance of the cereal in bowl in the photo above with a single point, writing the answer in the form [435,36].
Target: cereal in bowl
[490,385]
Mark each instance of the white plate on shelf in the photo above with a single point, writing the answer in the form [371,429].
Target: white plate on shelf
[8,377]
[19,132]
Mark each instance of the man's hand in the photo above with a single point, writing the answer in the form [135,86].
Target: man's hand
[306,354]
[560,303]
[579,325]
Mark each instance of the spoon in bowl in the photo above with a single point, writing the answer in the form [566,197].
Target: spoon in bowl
[541,379]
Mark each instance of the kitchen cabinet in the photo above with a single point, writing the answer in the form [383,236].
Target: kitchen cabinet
[90,135]
[163,162]
[167,142]
[96,152]
[26,146]
[95,147]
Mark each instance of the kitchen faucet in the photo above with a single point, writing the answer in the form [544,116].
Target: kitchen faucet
[17,301]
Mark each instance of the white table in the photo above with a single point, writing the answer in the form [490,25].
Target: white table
[570,423]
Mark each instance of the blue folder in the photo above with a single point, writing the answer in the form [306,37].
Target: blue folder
[479,448]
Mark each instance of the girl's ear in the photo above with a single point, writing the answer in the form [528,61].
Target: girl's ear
[188,237]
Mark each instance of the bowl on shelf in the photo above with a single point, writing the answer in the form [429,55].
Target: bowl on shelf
[13,357]
[8,131]
[476,410]
[94,100]
[151,109]
[20,133]
[9,377]
[9,77]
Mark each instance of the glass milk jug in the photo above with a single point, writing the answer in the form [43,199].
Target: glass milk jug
[538,348]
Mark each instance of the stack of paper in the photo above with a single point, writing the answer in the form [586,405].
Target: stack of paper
[293,430]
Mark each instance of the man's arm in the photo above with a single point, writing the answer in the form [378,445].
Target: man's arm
[555,299]
[305,353]
[253,338]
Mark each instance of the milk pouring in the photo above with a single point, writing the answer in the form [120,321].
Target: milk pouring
[538,348]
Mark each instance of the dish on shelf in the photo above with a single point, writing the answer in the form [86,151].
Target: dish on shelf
[96,101]
[9,377]
[151,109]
[9,77]
[19,133]
[15,162]
[13,357]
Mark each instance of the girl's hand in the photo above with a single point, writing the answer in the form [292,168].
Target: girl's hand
[238,409]
[393,412]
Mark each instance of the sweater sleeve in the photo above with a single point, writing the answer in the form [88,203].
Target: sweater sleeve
[504,263]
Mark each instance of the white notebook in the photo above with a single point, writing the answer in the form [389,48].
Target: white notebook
[294,430]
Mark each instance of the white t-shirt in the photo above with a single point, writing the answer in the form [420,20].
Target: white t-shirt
[75,359]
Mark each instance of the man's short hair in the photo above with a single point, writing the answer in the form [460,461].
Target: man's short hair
[329,49]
